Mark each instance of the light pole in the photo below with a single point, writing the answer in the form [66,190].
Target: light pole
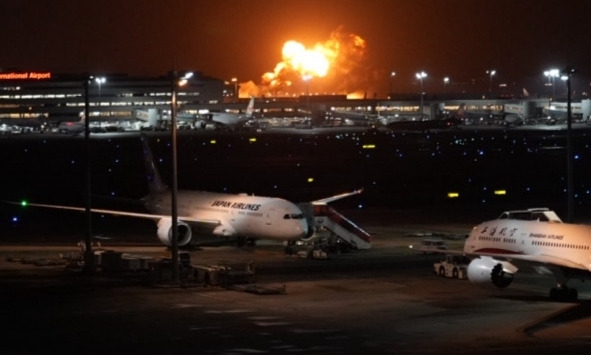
[421,76]
[552,74]
[392,76]
[490,73]
[235,81]
[566,75]
[89,267]
[100,80]
[176,80]
[306,77]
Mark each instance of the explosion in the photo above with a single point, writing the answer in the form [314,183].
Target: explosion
[334,61]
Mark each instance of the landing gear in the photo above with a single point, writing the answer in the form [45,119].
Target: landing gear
[561,293]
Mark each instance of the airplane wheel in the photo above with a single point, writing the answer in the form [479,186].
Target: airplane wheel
[441,271]
[455,273]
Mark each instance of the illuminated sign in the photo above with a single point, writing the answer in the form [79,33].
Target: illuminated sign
[25,76]
[453,194]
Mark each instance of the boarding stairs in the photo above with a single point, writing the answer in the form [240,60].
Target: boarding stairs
[327,223]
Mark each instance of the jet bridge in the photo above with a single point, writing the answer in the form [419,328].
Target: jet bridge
[331,227]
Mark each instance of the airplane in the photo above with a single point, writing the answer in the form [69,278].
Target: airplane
[232,216]
[229,119]
[536,237]
[72,127]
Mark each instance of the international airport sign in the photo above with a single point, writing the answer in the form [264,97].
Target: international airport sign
[32,75]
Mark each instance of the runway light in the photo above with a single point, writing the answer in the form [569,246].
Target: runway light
[252,140]
[310,179]
[500,192]
[453,194]
[213,141]
[369,146]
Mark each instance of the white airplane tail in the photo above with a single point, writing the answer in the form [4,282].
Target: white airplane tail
[250,108]
[155,183]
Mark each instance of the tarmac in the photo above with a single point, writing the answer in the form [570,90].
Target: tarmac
[385,300]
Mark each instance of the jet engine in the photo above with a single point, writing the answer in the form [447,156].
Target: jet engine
[165,232]
[485,271]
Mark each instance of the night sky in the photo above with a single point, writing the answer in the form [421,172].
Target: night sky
[460,39]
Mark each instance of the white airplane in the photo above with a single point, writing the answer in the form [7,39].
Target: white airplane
[237,216]
[72,127]
[535,237]
[233,119]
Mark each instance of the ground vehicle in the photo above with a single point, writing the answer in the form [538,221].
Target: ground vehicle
[453,266]
[432,245]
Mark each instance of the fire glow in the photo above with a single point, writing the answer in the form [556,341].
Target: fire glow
[333,61]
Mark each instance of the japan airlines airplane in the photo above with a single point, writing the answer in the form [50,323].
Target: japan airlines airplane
[534,237]
[233,119]
[237,216]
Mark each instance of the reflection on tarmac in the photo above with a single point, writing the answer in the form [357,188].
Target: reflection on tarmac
[382,300]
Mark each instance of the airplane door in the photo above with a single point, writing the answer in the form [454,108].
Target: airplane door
[269,217]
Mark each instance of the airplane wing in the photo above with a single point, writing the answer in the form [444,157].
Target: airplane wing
[123,213]
[336,197]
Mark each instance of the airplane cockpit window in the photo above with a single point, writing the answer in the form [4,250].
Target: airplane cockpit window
[525,216]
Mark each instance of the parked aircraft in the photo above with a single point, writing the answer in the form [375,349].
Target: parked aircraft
[534,237]
[73,127]
[232,119]
[237,216]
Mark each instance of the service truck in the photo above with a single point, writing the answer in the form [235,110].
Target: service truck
[453,266]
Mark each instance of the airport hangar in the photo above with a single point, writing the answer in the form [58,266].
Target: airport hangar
[34,97]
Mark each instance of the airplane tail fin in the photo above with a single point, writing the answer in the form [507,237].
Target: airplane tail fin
[250,107]
[155,183]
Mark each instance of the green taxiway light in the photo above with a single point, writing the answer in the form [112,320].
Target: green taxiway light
[24,203]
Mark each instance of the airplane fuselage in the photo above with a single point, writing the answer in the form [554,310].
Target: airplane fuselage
[564,244]
[228,119]
[238,215]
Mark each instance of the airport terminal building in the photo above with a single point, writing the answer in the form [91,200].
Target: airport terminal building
[45,96]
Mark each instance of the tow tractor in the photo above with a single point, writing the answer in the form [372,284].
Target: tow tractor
[453,266]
